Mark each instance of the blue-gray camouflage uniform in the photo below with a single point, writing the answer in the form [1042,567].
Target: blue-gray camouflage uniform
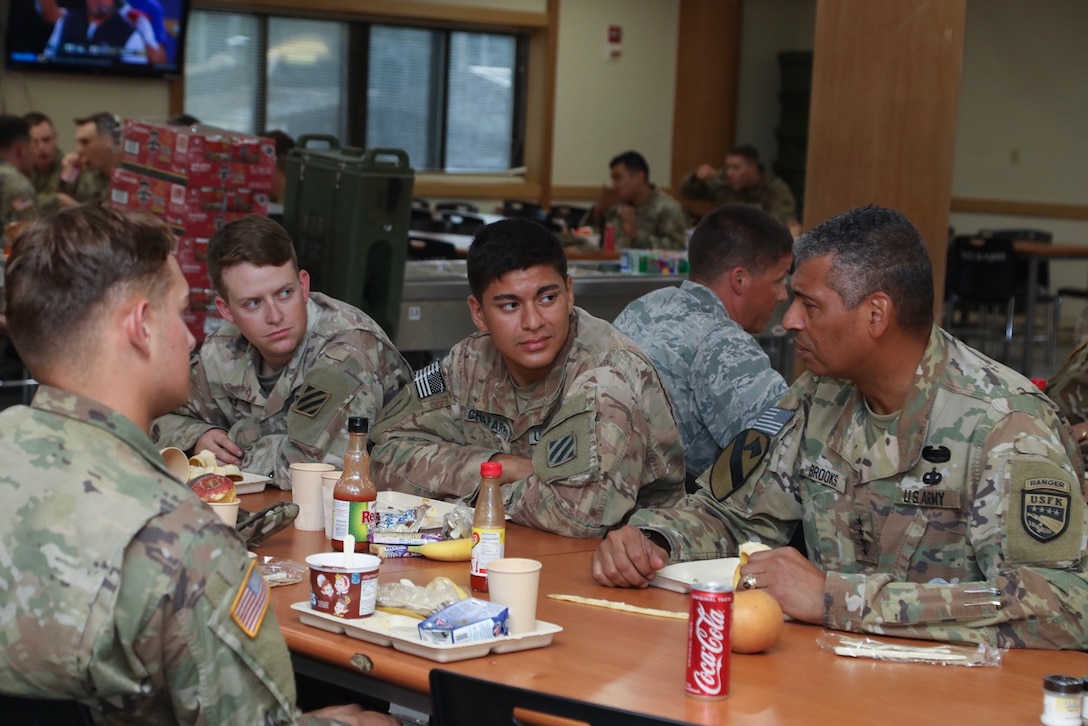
[961,518]
[598,429]
[118,586]
[345,366]
[718,377]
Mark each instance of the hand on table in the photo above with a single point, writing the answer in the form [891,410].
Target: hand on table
[791,579]
[217,442]
[627,558]
[353,713]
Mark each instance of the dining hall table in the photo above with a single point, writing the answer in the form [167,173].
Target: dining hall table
[636,662]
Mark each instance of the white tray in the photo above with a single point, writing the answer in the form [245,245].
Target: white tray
[400,501]
[681,576]
[400,632]
[251,483]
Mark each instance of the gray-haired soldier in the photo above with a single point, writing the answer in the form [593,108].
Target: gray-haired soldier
[699,335]
[941,494]
[119,588]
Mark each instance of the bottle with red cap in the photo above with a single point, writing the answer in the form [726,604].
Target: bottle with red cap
[488,525]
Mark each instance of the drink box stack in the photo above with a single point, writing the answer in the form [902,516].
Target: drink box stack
[196,178]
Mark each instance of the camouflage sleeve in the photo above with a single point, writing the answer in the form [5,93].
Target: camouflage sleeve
[1035,590]
[201,629]
[735,383]
[420,446]
[352,377]
[669,229]
[612,446]
[693,187]
[781,205]
[1069,386]
[186,424]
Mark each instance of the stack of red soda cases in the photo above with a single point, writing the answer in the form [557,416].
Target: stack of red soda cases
[196,178]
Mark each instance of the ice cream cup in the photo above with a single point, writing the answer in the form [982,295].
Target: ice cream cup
[347,592]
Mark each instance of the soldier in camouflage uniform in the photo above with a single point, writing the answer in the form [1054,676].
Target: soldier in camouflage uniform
[1069,389]
[278,384]
[699,335]
[743,180]
[573,411]
[119,588]
[642,216]
[45,172]
[98,140]
[939,492]
[17,198]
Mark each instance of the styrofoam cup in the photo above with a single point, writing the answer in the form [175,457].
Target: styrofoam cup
[513,582]
[306,493]
[328,483]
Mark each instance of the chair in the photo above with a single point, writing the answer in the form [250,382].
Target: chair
[420,248]
[456,207]
[981,281]
[457,700]
[33,711]
[524,210]
[567,215]
[462,222]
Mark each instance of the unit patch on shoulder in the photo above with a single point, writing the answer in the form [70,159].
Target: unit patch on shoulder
[251,602]
[429,380]
[561,450]
[1044,509]
[310,400]
[738,460]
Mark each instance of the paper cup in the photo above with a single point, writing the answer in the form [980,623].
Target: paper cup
[341,591]
[227,511]
[328,483]
[513,582]
[306,493]
[176,461]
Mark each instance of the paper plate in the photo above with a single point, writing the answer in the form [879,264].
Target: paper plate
[681,576]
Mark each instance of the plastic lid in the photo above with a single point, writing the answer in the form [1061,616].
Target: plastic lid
[1062,684]
[358,425]
[491,469]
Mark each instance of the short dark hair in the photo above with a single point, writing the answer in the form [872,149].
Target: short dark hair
[736,235]
[633,160]
[107,124]
[512,244]
[749,152]
[284,144]
[253,239]
[34,118]
[875,249]
[13,129]
[66,266]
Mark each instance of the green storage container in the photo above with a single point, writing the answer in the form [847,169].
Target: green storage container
[347,211]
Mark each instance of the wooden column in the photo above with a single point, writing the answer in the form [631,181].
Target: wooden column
[882,126]
[707,69]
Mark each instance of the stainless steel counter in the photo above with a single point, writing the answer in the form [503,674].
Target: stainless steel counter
[434,313]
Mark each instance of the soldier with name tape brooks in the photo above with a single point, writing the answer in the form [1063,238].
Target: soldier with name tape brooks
[277,385]
[940,494]
[573,410]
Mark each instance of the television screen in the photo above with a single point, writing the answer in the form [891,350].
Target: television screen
[122,37]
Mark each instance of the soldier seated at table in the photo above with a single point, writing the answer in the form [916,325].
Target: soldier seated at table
[121,589]
[941,494]
[573,410]
[278,383]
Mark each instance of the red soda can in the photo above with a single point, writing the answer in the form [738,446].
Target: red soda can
[709,625]
[609,243]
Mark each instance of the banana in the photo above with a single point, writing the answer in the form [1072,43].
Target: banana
[450,550]
[400,611]
[746,550]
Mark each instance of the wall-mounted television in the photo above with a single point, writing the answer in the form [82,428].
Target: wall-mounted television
[117,37]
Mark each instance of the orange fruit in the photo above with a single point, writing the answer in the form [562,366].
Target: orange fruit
[757,621]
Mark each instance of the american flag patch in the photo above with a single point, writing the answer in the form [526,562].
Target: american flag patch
[251,602]
[773,419]
[429,381]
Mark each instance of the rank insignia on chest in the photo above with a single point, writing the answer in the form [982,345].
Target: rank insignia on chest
[561,450]
[311,400]
[1044,512]
[251,602]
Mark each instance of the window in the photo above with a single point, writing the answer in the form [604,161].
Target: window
[451,98]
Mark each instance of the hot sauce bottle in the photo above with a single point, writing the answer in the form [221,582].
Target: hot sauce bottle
[488,525]
[354,491]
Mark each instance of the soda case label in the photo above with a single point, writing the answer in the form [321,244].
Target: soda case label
[487,544]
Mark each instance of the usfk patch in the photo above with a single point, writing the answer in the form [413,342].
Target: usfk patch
[561,450]
[251,602]
[738,460]
[311,400]
[1044,511]
[429,380]
[773,419]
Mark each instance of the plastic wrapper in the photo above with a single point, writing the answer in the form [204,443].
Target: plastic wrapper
[407,598]
[945,654]
[280,572]
[457,524]
[408,520]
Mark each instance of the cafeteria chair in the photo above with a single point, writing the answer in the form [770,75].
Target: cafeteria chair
[458,699]
[34,711]
[981,281]
[524,210]
[462,222]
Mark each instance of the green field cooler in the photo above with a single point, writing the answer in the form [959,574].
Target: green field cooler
[347,211]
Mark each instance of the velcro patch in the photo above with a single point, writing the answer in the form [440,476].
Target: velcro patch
[1050,527]
[935,498]
[310,400]
[429,380]
[773,419]
[251,602]
[561,450]
[1045,513]
[737,461]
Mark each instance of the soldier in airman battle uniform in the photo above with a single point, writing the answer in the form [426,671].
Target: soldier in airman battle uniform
[940,493]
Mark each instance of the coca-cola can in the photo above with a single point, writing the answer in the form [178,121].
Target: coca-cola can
[608,241]
[709,625]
